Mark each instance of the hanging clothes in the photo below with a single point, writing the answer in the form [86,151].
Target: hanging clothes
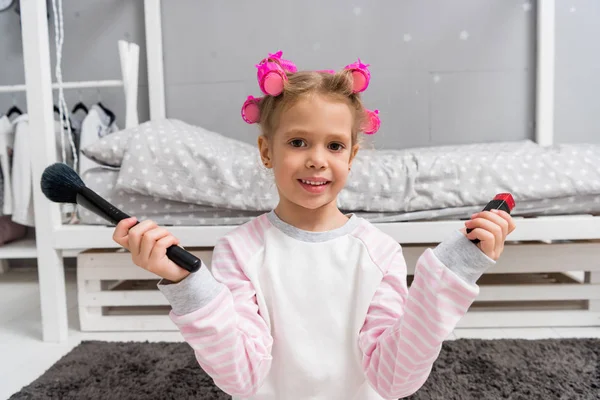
[22,178]
[7,138]
[1,191]
[95,126]
[9,230]
[76,124]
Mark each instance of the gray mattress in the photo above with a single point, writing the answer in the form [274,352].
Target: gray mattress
[103,181]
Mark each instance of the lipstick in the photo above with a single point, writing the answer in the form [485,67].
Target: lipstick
[502,201]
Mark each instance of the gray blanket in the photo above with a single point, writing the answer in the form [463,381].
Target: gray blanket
[173,160]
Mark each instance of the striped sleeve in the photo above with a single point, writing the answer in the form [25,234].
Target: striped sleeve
[405,327]
[230,338]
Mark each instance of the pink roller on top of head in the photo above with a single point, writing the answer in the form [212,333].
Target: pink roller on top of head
[271,73]
[372,122]
[250,110]
[360,75]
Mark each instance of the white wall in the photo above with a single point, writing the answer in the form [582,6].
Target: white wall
[443,72]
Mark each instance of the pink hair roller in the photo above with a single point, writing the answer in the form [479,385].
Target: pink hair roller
[372,122]
[287,65]
[271,73]
[250,110]
[360,76]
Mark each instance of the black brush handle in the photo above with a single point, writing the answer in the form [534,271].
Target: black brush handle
[492,205]
[89,199]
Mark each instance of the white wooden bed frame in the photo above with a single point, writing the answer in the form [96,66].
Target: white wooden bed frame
[536,255]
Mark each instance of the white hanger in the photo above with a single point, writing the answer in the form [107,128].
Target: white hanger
[129,54]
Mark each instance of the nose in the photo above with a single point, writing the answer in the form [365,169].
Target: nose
[317,159]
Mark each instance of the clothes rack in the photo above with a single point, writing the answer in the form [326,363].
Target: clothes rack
[38,88]
[67,85]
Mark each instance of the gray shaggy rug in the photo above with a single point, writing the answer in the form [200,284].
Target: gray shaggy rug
[466,369]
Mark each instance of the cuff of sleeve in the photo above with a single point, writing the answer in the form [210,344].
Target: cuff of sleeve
[192,293]
[463,257]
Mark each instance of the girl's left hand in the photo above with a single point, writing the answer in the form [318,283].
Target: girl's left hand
[491,228]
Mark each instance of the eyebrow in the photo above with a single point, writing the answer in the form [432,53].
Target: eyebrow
[300,132]
[296,132]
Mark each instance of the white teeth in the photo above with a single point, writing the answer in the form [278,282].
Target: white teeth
[313,183]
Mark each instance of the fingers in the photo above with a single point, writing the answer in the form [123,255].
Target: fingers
[136,233]
[491,228]
[496,219]
[506,216]
[160,248]
[495,227]
[488,225]
[481,234]
[487,241]
[149,240]
[158,257]
[121,232]
[148,244]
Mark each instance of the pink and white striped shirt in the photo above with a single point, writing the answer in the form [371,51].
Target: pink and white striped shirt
[283,313]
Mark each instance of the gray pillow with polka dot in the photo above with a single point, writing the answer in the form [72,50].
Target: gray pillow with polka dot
[111,148]
[180,162]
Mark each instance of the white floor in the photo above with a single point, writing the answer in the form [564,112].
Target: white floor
[24,357]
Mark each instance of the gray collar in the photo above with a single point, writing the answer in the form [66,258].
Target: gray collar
[308,236]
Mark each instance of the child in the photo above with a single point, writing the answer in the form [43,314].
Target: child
[305,302]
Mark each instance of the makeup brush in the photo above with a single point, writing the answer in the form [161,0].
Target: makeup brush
[61,184]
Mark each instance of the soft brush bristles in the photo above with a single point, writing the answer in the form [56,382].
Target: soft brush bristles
[60,183]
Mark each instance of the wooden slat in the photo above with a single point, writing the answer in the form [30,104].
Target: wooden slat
[539,292]
[125,298]
[129,323]
[524,257]
[488,293]
[533,257]
[594,278]
[115,272]
[520,319]
[479,319]
[111,264]
[562,227]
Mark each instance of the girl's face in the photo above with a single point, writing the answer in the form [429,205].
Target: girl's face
[311,151]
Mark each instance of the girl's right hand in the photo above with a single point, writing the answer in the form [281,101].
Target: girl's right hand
[148,243]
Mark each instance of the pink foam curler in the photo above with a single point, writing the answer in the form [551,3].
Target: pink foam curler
[250,110]
[287,65]
[372,122]
[360,76]
[272,73]
[270,78]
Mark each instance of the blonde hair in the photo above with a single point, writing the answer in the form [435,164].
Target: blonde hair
[336,86]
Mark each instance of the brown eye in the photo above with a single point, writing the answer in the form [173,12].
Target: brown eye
[297,143]
[336,147]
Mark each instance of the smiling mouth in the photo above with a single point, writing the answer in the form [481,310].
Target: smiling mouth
[313,183]
[315,187]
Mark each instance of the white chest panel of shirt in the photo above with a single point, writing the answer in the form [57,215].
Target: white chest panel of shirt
[315,297]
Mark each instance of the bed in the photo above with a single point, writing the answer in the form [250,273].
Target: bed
[198,177]
[416,195]
[174,213]
[557,232]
